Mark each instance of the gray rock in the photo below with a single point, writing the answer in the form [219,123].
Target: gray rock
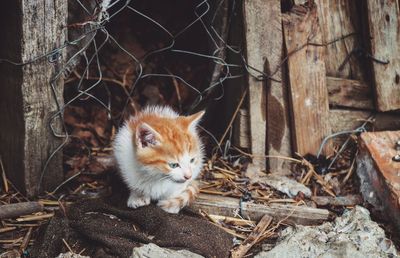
[353,235]
[154,251]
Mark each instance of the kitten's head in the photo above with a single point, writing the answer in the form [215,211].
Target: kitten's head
[169,145]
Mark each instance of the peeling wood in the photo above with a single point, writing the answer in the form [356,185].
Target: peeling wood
[349,93]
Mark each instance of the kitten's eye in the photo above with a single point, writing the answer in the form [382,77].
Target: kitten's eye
[192,160]
[173,165]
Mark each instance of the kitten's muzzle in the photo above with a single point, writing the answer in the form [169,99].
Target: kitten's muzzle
[187,174]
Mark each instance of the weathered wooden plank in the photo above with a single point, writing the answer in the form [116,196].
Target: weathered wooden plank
[379,174]
[308,91]
[227,206]
[264,52]
[344,120]
[27,103]
[338,19]
[278,123]
[349,93]
[255,23]
[384,32]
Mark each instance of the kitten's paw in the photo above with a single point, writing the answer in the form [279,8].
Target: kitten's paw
[169,206]
[135,201]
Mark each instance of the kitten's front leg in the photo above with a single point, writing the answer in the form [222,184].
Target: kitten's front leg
[175,204]
[136,200]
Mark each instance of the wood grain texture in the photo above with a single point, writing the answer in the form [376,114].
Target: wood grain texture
[349,93]
[308,91]
[27,101]
[384,32]
[241,136]
[344,120]
[278,123]
[227,206]
[255,23]
[338,19]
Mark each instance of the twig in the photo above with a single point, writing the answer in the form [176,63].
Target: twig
[67,245]
[64,182]
[350,171]
[230,231]
[3,176]
[253,238]
[26,240]
[7,229]
[233,117]
[236,221]
[36,217]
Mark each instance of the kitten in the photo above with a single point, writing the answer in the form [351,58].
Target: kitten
[159,154]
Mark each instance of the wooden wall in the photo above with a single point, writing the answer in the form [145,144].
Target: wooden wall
[340,65]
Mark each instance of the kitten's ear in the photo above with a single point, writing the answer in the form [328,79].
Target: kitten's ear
[194,119]
[146,136]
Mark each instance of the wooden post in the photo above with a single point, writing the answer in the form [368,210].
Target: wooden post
[268,105]
[308,91]
[278,124]
[384,34]
[254,17]
[30,29]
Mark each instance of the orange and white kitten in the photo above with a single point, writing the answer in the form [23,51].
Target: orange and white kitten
[159,154]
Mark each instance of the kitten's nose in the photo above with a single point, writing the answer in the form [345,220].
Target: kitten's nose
[187,175]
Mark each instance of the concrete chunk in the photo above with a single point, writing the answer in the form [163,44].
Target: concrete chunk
[154,251]
[352,235]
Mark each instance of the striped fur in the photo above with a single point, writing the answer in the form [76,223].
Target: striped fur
[147,145]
